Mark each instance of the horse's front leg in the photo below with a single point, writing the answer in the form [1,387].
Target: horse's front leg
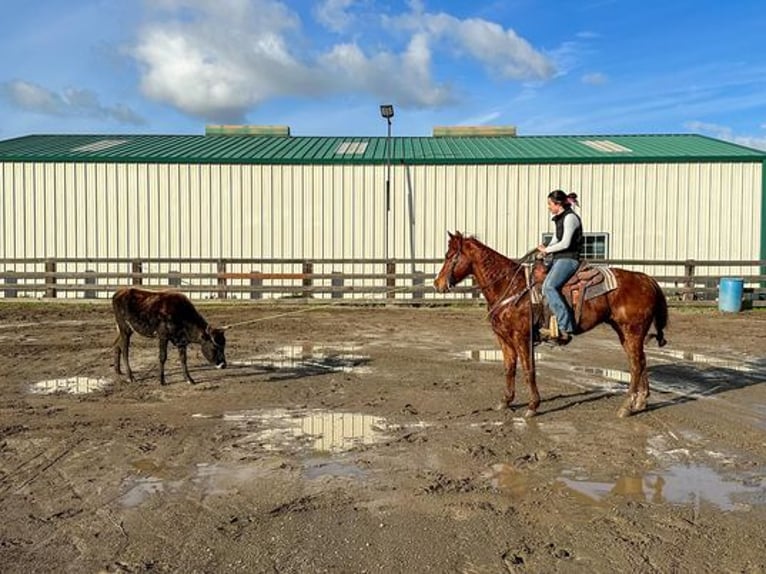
[526,354]
[638,392]
[509,363]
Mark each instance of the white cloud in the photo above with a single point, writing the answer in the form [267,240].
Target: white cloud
[726,133]
[334,14]
[595,79]
[500,50]
[217,61]
[72,102]
[32,97]
[480,120]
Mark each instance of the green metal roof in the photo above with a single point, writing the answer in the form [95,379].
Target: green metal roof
[372,150]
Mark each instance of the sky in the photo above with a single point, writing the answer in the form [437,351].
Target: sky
[575,67]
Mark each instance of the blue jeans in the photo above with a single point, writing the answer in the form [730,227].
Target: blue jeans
[558,274]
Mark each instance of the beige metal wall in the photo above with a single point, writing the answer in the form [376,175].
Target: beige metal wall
[650,211]
[671,211]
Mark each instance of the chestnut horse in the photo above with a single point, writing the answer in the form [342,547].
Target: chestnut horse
[630,309]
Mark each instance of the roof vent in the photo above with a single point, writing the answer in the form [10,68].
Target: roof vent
[247,130]
[474,131]
[607,146]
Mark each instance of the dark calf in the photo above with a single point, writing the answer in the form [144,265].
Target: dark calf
[170,317]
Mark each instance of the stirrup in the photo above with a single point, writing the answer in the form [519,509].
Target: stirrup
[553,335]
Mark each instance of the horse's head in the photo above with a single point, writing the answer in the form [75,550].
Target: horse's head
[457,266]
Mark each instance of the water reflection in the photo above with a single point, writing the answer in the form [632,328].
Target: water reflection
[679,484]
[326,431]
[509,479]
[741,365]
[306,359]
[138,489]
[69,385]
[490,355]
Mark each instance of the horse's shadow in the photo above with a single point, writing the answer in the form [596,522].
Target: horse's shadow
[690,382]
[685,381]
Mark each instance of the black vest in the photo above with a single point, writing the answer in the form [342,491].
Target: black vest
[573,251]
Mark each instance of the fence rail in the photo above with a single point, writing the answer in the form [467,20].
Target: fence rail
[358,280]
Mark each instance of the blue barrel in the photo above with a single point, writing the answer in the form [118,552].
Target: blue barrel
[730,291]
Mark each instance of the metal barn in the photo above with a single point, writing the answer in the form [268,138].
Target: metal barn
[175,198]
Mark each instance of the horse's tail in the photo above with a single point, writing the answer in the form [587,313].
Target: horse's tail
[660,314]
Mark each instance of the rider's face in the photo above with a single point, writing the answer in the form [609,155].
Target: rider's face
[554,207]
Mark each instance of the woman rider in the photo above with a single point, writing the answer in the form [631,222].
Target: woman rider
[564,248]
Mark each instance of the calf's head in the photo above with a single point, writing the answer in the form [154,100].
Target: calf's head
[213,347]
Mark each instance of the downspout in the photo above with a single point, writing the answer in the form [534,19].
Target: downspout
[763,220]
[411,209]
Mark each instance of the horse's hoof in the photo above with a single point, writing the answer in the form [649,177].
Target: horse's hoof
[529,413]
[503,406]
[623,412]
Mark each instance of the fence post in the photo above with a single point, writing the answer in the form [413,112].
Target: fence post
[10,279]
[390,279]
[689,280]
[336,281]
[136,271]
[221,279]
[418,281]
[50,278]
[308,281]
[256,281]
[90,279]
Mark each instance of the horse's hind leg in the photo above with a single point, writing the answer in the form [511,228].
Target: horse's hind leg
[638,392]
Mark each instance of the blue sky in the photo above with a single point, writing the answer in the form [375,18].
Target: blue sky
[323,67]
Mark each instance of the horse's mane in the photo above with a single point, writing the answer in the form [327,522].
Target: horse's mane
[496,265]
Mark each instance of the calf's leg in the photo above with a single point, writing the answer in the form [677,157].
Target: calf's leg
[182,356]
[163,358]
[118,354]
[124,347]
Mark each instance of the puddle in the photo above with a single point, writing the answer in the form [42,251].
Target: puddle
[217,479]
[70,385]
[490,355]
[678,484]
[679,379]
[324,431]
[211,479]
[741,365]
[139,489]
[509,479]
[306,360]
[316,468]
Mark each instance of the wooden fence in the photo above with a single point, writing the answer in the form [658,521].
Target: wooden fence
[356,281]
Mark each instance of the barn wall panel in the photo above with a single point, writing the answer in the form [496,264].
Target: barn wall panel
[649,211]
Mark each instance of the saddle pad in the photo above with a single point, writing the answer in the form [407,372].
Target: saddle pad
[608,284]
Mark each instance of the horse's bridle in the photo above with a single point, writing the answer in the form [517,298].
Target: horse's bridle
[450,275]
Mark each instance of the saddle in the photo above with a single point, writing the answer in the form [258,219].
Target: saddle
[588,282]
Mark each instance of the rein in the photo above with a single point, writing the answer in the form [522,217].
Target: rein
[506,297]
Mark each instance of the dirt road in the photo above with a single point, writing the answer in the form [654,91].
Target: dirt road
[365,440]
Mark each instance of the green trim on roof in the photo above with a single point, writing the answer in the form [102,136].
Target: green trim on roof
[212,149]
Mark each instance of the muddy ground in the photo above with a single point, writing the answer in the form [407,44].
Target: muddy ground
[365,440]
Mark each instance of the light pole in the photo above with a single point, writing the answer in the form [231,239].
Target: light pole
[387,112]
